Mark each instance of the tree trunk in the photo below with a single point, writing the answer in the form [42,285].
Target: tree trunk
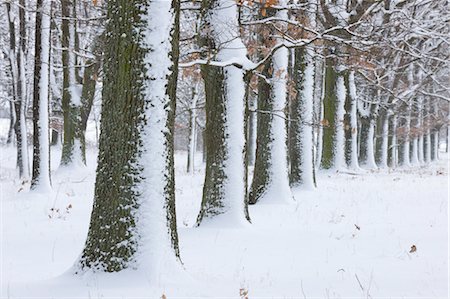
[192,131]
[224,192]
[252,121]
[41,149]
[270,178]
[329,116]
[17,64]
[133,221]
[301,149]
[12,121]
[72,151]
[87,100]
[351,122]
[393,152]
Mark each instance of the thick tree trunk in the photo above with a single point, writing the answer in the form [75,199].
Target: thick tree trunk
[133,221]
[301,149]
[329,116]
[224,191]
[270,179]
[41,149]
[333,147]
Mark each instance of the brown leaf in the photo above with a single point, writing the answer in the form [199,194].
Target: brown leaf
[325,122]
[413,249]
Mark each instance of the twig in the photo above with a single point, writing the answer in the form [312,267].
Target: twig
[360,285]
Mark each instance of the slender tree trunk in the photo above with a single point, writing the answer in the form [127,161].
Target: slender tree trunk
[427,141]
[87,100]
[72,151]
[19,89]
[252,121]
[351,127]
[192,131]
[41,149]
[393,153]
[385,141]
[12,122]
[421,131]
[133,222]
[406,161]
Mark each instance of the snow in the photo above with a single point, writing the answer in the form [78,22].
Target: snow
[310,248]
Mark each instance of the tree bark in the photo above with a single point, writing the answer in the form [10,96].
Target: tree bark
[224,192]
[133,222]
[41,149]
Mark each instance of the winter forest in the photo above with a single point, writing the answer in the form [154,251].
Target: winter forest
[224,148]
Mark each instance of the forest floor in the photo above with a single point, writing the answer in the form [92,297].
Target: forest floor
[352,237]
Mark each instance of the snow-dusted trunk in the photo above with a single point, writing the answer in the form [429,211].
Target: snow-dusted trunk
[133,222]
[252,121]
[41,151]
[301,131]
[427,137]
[385,142]
[370,162]
[224,192]
[447,137]
[393,153]
[301,145]
[333,137]
[87,98]
[406,161]
[435,144]
[352,129]
[270,179]
[72,152]
[415,151]
[367,137]
[319,96]
[427,146]
[17,64]
[192,131]
[420,130]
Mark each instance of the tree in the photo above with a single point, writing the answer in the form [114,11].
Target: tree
[72,152]
[270,177]
[41,149]
[17,66]
[133,222]
[224,190]
[301,145]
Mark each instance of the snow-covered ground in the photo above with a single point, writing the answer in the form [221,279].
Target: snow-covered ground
[351,237]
